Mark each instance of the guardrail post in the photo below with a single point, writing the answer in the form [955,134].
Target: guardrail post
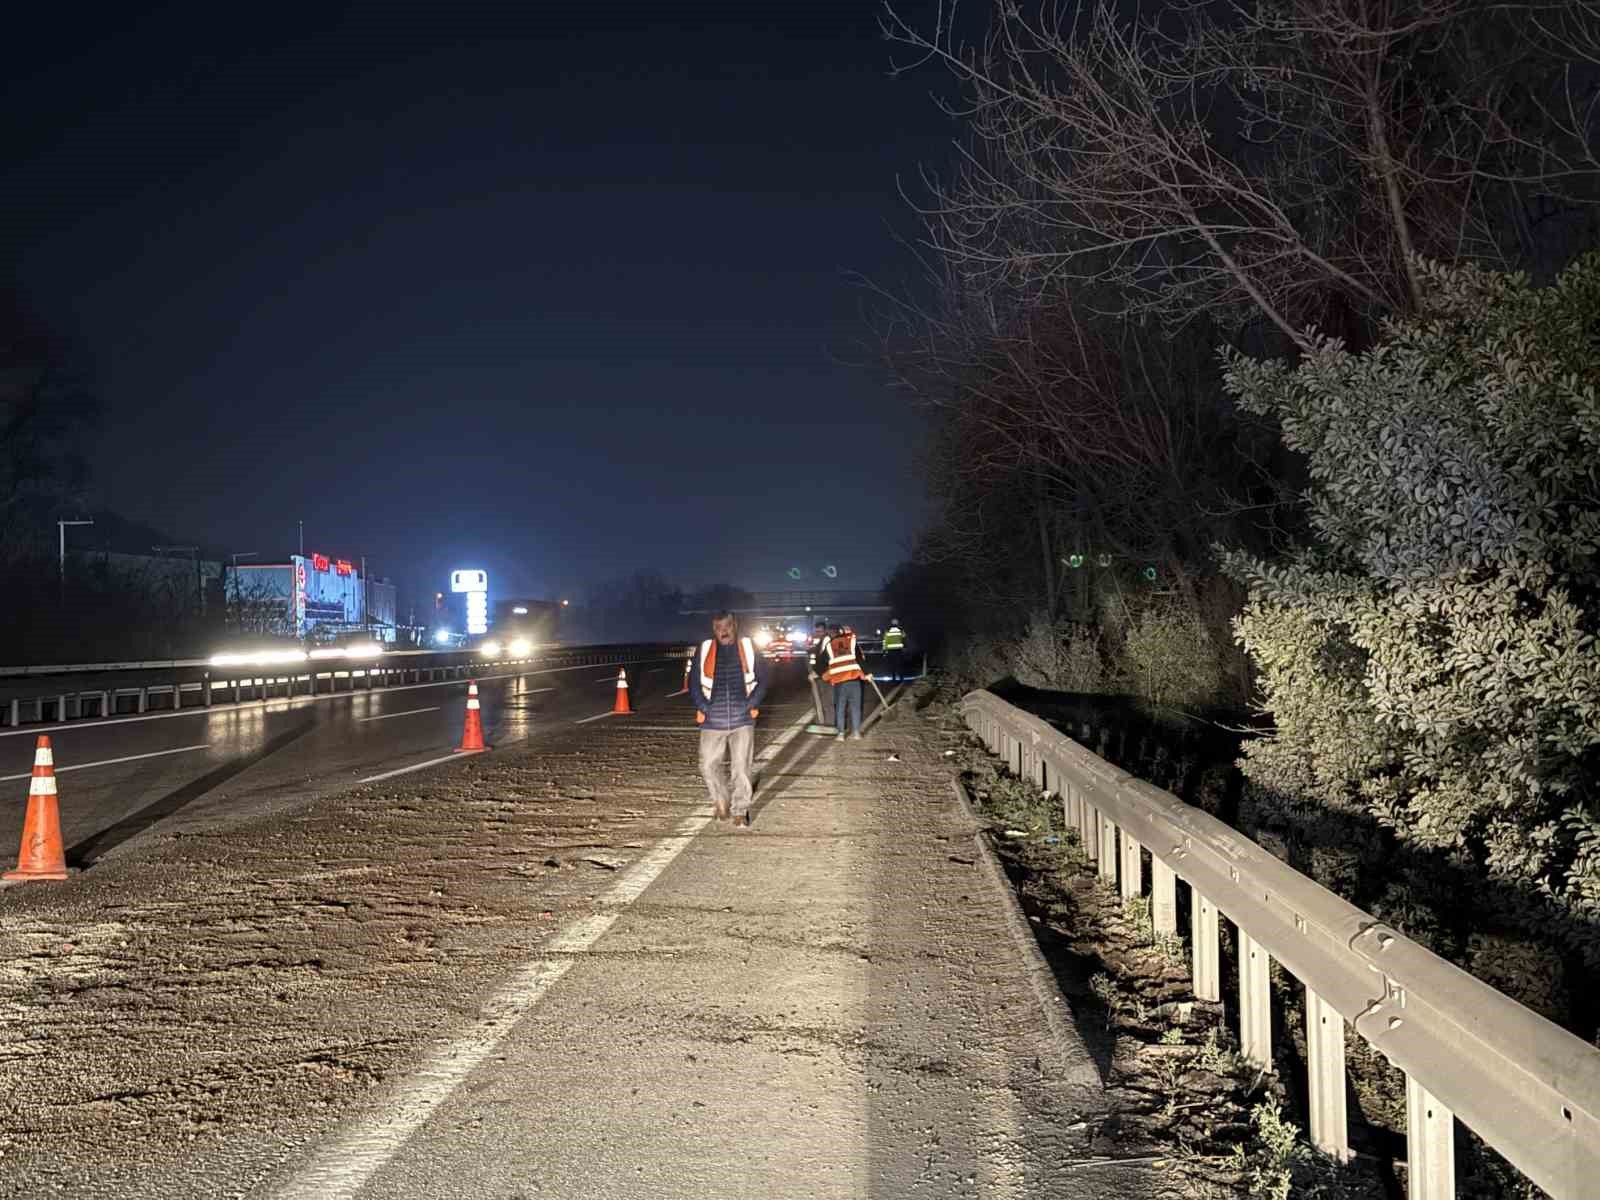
[1205,960]
[1255,1001]
[1330,1126]
[235,682]
[1132,868]
[105,699]
[205,689]
[1430,1146]
[1163,897]
[16,713]
[1089,828]
[1108,849]
[61,708]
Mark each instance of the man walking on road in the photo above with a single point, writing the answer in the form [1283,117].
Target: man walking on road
[841,662]
[727,685]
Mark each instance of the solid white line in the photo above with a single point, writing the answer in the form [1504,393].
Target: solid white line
[344,1165]
[279,704]
[410,712]
[106,762]
[596,717]
[432,762]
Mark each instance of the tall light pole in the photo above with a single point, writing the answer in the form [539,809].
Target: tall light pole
[61,560]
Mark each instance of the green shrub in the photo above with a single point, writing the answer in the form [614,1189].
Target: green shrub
[1430,661]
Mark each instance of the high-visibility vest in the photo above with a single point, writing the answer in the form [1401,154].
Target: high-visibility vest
[895,638]
[708,667]
[842,664]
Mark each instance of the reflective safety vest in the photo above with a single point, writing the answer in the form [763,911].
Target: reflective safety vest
[708,664]
[842,664]
[894,638]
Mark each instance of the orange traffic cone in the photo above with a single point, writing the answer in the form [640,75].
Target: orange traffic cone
[41,856]
[621,706]
[472,734]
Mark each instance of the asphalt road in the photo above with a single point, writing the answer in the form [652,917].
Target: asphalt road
[202,768]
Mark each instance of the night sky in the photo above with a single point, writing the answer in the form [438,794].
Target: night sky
[559,295]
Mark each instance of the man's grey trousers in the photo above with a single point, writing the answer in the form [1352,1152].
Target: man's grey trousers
[729,786]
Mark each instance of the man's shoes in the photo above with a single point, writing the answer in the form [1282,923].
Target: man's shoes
[742,821]
[856,736]
[839,737]
[721,811]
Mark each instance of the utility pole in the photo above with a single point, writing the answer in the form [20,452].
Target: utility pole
[61,561]
[302,525]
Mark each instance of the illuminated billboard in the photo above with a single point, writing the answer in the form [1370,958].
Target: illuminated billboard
[476,586]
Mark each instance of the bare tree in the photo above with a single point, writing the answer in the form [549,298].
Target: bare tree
[1284,161]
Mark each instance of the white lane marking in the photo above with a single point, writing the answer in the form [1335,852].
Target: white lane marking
[432,762]
[106,762]
[346,1163]
[410,712]
[664,728]
[281,704]
[596,717]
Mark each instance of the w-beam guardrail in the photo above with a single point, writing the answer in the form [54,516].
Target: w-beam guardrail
[70,691]
[1527,1087]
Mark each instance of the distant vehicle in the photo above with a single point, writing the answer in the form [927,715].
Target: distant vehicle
[782,644]
[520,628]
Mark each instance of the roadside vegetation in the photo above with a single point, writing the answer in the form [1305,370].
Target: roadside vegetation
[1259,351]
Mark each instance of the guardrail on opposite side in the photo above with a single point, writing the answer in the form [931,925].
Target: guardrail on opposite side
[65,692]
[1526,1086]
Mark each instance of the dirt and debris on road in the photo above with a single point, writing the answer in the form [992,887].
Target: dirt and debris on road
[202,1007]
[198,1005]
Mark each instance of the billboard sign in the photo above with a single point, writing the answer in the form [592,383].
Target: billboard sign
[476,586]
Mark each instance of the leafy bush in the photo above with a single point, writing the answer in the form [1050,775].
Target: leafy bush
[1168,656]
[1061,656]
[1430,661]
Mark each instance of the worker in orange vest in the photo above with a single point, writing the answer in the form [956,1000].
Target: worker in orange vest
[728,684]
[841,667]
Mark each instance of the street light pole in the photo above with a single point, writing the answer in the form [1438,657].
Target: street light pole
[61,560]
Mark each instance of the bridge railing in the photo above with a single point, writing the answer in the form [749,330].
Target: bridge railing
[1527,1087]
[68,691]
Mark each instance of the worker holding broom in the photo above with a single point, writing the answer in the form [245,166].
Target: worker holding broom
[840,660]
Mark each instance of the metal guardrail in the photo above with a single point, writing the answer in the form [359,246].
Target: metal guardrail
[58,693]
[1526,1086]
